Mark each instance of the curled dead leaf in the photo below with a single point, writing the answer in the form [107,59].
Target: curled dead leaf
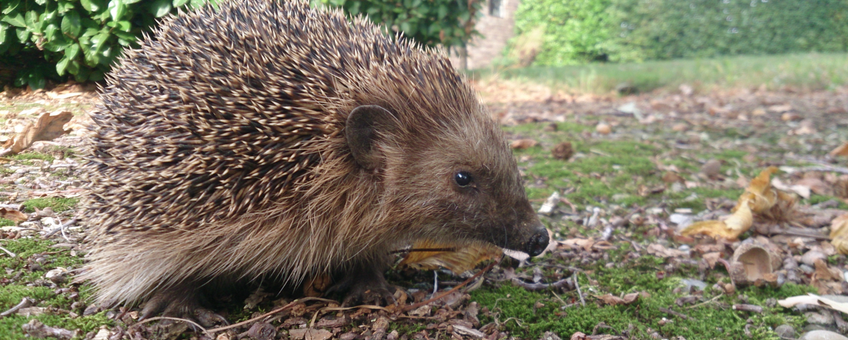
[841,150]
[730,228]
[47,127]
[455,258]
[523,144]
[14,215]
[839,233]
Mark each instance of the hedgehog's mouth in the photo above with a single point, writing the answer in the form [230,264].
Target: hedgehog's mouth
[530,239]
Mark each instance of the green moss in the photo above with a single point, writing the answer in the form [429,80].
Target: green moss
[58,204]
[20,276]
[6,222]
[518,312]
[33,155]
[816,199]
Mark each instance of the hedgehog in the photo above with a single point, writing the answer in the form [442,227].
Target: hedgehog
[272,142]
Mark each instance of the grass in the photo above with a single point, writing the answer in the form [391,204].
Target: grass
[812,71]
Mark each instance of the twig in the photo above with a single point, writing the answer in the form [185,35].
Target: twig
[706,302]
[177,319]
[677,314]
[25,302]
[539,286]
[579,293]
[289,305]
[748,308]
[8,252]
[435,298]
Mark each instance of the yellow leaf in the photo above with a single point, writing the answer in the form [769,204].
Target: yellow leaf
[730,228]
[458,259]
[839,233]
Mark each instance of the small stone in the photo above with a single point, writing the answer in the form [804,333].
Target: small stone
[603,128]
[785,332]
[550,336]
[822,335]
[819,318]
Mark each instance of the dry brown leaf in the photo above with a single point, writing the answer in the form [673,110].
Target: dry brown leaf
[47,127]
[523,144]
[310,334]
[730,228]
[816,185]
[614,300]
[582,243]
[824,272]
[812,299]
[14,215]
[661,251]
[780,108]
[839,233]
[712,258]
[841,150]
[459,260]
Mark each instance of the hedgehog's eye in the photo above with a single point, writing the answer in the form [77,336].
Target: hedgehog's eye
[462,178]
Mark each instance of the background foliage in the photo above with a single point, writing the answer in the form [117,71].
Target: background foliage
[581,31]
[80,39]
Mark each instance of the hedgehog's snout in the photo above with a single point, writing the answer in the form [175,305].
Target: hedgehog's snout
[538,241]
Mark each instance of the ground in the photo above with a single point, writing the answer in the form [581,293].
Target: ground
[640,166]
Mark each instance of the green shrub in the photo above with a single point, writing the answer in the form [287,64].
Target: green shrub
[429,22]
[51,39]
[57,39]
[582,31]
[576,31]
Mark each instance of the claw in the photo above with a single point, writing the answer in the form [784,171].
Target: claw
[181,303]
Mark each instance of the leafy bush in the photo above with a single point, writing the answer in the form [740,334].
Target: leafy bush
[430,22]
[57,39]
[581,31]
[576,31]
[50,39]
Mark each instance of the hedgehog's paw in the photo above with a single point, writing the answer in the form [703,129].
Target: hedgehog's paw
[365,287]
[181,303]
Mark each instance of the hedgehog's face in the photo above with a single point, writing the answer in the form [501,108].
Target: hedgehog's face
[453,184]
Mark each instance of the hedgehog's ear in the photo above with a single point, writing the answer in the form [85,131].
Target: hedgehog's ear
[364,126]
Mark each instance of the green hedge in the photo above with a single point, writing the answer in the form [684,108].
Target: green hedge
[58,39]
[581,31]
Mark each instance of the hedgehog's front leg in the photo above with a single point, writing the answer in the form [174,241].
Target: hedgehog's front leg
[182,301]
[364,283]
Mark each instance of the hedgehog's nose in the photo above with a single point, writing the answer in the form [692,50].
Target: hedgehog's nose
[538,241]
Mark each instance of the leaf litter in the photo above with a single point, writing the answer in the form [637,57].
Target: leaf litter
[612,249]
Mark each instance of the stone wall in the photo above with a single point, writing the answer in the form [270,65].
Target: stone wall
[497,27]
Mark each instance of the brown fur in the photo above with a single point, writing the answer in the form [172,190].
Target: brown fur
[219,153]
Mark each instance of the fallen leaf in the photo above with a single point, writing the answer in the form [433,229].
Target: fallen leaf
[310,334]
[523,144]
[455,258]
[661,251]
[47,127]
[779,108]
[730,228]
[812,299]
[841,150]
[614,300]
[839,233]
[14,215]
